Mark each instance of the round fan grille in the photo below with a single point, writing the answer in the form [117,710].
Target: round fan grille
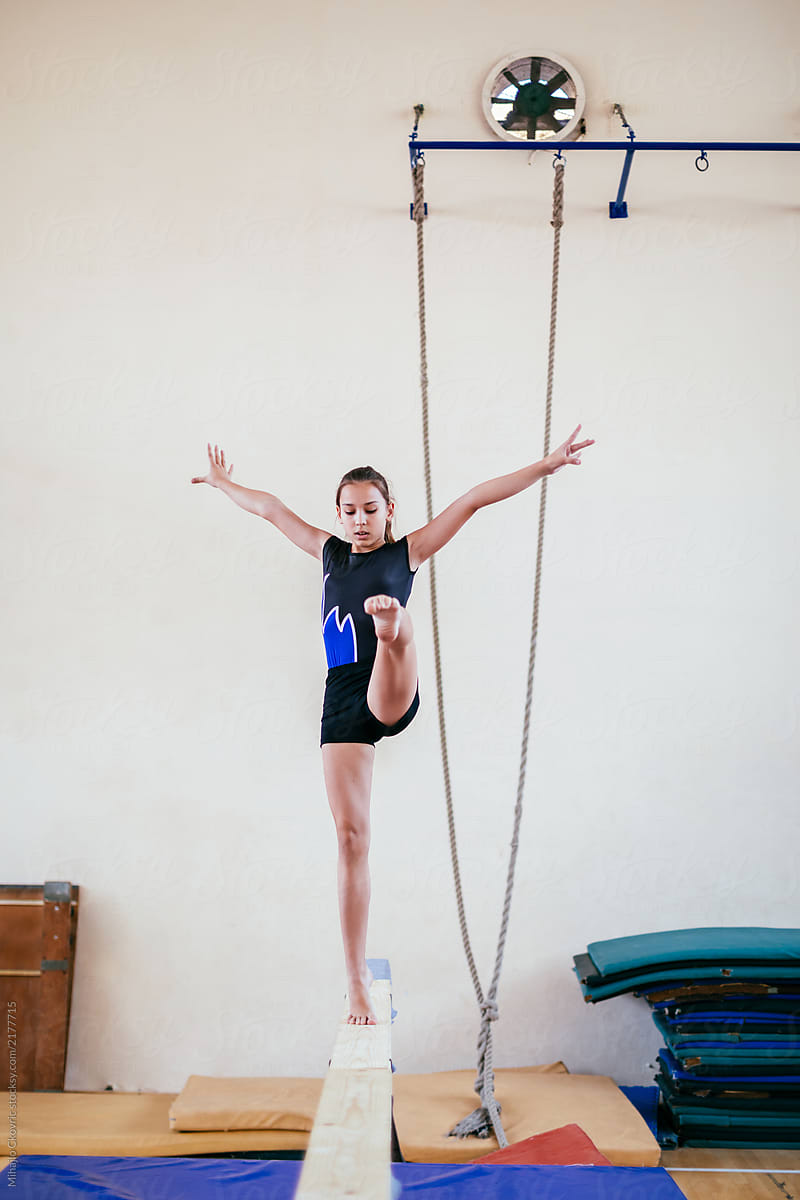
[534,97]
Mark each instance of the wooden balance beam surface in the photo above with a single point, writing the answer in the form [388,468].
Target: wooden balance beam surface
[349,1150]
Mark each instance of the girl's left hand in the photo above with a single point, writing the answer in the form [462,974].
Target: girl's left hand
[567,452]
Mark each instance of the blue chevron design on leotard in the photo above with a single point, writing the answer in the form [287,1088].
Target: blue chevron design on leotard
[338,635]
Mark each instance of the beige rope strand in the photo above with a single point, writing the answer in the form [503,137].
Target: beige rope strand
[478,1121]
[419,217]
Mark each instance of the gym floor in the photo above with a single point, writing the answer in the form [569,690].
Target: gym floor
[734,1174]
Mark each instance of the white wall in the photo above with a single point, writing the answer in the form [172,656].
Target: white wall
[191,251]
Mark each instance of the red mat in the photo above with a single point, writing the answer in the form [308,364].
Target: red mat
[568,1146]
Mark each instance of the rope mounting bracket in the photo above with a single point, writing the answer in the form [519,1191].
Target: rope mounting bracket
[619,207]
[616,208]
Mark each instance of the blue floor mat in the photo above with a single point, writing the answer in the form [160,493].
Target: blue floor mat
[645,1101]
[57,1177]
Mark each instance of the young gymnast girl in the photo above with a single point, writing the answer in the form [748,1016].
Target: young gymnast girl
[371,687]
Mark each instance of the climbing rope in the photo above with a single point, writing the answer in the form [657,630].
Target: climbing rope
[478,1123]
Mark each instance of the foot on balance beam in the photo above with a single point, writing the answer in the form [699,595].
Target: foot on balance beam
[349,1149]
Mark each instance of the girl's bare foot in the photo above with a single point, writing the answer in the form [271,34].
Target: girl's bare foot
[387,613]
[360,1008]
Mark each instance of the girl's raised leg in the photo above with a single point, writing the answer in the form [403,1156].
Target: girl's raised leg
[393,683]
[347,767]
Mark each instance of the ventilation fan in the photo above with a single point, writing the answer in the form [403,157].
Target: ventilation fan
[534,97]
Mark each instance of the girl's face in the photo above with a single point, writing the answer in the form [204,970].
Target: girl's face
[363,513]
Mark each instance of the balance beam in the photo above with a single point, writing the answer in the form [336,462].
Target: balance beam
[349,1149]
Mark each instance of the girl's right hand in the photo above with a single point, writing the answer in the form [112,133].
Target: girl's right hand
[218,472]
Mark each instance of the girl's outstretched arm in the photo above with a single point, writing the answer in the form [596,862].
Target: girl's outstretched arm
[426,541]
[263,504]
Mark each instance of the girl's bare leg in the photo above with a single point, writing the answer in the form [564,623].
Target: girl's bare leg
[347,767]
[393,683]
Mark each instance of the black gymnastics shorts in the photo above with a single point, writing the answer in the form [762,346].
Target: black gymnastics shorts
[345,714]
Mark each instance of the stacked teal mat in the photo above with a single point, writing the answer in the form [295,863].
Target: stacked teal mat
[726,1002]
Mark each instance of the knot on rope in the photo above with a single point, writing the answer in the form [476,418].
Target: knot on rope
[489,1010]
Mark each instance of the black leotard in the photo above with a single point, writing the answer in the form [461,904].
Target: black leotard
[349,635]
[348,579]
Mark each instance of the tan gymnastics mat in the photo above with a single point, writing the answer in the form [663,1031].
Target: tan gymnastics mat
[129,1124]
[533,1099]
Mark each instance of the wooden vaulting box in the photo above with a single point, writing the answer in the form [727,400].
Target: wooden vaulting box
[38,927]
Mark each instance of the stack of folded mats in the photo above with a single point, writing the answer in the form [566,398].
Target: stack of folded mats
[727,1004]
